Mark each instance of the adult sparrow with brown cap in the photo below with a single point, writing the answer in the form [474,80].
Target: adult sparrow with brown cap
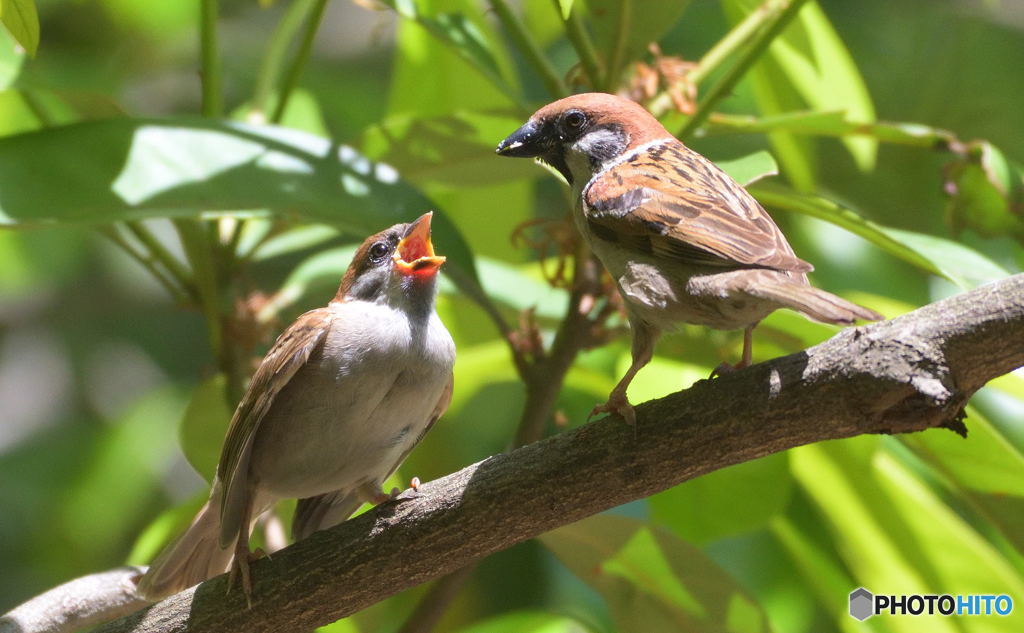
[684,242]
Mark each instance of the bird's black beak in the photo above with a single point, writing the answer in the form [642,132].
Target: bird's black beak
[526,142]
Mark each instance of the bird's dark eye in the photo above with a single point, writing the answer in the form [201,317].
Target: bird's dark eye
[574,120]
[379,251]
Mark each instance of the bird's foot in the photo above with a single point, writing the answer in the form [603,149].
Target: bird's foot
[376,496]
[240,570]
[726,368]
[617,403]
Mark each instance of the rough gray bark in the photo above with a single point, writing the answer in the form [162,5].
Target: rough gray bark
[909,374]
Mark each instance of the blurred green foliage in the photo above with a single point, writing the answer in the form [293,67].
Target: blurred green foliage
[150,256]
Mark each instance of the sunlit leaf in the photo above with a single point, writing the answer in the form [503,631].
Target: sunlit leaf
[344,625]
[11,59]
[730,501]
[204,425]
[945,258]
[651,580]
[960,264]
[566,7]
[833,123]
[457,32]
[985,461]
[130,169]
[750,168]
[808,63]
[892,531]
[823,573]
[22,21]
[527,622]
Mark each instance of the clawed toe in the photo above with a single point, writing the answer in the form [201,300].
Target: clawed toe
[240,569]
[726,368]
[617,405]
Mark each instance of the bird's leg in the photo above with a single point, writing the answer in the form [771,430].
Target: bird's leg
[644,337]
[240,562]
[748,353]
[370,492]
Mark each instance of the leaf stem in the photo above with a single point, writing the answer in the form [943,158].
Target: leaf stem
[277,49]
[735,39]
[158,252]
[299,61]
[530,49]
[758,45]
[148,262]
[580,40]
[213,101]
[617,59]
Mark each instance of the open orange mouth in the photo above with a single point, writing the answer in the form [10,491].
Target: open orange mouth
[415,254]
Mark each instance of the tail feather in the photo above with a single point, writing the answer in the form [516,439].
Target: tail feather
[191,558]
[817,304]
[323,511]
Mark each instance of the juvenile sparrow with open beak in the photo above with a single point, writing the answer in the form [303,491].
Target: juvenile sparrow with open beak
[337,404]
[684,242]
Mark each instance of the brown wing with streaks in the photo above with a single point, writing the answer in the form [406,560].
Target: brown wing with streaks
[673,202]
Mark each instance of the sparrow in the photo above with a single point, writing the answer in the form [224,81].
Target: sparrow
[337,404]
[684,242]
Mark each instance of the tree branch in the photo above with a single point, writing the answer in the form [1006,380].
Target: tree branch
[909,374]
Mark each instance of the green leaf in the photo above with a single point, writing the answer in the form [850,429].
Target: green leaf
[986,193]
[205,424]
[527,622]
[455,149]
[750,168]
[22,21]
[129,458]
[809,64]
[962,265]
[299,238]
[162,529]
[834,123]
[458,33]
[985,461]
[651,580]
[823,573]
[953,261]
[645,22]
[130,169]
[727,502]
[894,533]
[11,60]
[344,625]
[566,8]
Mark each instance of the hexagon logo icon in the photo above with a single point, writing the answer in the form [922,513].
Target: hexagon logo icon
[861,604]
